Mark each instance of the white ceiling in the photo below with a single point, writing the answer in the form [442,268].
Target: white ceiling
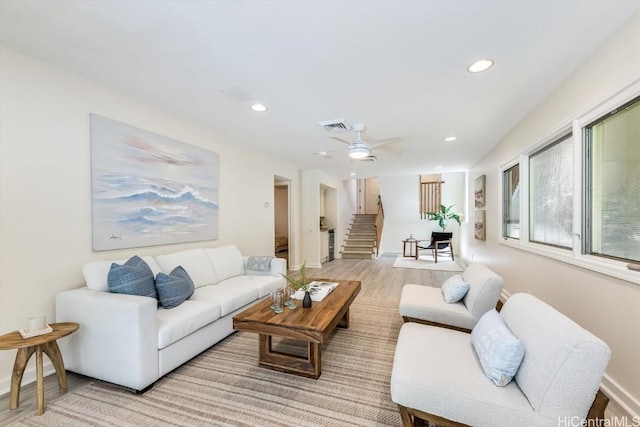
[399,67]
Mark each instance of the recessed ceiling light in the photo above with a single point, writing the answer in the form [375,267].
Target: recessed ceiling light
[450,138]
[352,174]
[323,153]
[260,108]
[438,167]
[481,65]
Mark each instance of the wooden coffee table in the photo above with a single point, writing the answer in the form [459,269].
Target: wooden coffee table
[313,325]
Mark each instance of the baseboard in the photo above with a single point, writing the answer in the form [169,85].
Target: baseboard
[621,397]
[28,377]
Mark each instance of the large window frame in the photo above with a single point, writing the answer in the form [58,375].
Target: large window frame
[576,255]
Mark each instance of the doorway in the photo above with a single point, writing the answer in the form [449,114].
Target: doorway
[281,219]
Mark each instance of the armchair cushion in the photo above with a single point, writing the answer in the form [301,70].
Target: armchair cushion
[134,277]
[499,351]
[454,289]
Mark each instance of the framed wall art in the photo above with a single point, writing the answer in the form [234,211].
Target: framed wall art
[479,191]
[148,189]
[479,225]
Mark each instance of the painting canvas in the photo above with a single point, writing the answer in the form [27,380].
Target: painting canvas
[148,189]
[479,226]
[479,191]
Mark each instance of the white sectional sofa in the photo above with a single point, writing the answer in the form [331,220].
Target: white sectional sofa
[131,341]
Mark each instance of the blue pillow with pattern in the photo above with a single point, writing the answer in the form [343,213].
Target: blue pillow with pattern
[174,288]
[134,277]
[499,351]
[454,289]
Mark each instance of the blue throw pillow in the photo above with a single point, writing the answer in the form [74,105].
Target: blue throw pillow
[499,351]
[454,289]
[174,288]
[134,277]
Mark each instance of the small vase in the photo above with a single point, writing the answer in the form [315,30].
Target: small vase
[306,301]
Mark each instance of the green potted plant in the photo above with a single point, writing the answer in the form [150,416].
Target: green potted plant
[301,283]
[443,215]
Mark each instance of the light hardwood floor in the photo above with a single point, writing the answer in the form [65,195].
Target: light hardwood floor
[379,281]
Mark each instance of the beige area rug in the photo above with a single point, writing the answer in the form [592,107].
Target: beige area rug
[225,386]
[426,262]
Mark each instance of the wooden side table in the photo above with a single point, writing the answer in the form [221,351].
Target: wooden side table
[26,347]
[413,250]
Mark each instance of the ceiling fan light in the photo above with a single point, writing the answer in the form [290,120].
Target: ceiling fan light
[358,152]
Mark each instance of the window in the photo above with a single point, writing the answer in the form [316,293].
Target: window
[612,194]
[430,193]
[551,194]
[511,203]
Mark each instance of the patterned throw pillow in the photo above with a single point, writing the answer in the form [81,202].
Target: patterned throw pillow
[454,289]
[174,288]
[499,351]
[259,263]
[134,277]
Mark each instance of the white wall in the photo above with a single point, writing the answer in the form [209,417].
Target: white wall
[45,188]
[606,306]
[401,200]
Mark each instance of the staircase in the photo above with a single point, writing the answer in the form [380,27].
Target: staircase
[361,238]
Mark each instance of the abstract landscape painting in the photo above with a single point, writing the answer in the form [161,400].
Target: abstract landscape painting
[148,189]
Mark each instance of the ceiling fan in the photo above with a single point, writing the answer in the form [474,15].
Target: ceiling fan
[360,149]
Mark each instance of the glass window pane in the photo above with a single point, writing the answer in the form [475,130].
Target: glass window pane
[551,194]
[511,202]
[615,185]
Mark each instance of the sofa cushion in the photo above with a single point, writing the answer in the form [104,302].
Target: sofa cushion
[499,351]
[95,273]
[183,320]
[173,288]
[227,261]
[426,302]
[134,277]
[194,261]
[229,294]
[435,370]
[264,284]
[454,289]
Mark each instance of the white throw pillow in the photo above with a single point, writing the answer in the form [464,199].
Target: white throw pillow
[454,289]
[499,351]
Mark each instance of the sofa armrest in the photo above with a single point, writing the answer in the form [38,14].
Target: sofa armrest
[118,336]
[278,266]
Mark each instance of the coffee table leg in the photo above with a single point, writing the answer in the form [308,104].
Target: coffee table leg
[315,358]
[22,357]
[344,322]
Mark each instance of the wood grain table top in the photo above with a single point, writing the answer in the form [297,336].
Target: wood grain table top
[14,340]
[320,318]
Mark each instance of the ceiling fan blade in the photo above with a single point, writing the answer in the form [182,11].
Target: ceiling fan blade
[341,140]
[382,142]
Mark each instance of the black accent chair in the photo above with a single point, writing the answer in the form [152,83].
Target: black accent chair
[440,243]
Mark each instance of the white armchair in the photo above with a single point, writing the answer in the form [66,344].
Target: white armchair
[424,304]
[437,377]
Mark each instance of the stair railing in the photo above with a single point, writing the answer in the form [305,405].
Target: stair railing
[379,224]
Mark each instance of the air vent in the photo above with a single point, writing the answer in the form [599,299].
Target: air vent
[335,126]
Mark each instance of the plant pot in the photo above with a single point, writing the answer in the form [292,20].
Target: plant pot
[306,301]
